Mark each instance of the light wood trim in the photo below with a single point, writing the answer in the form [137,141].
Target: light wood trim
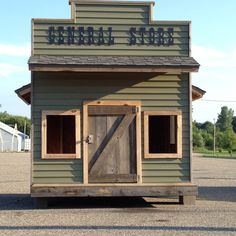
[151,10]
[161,155]
[73,11]
[77,135]
[163,113]
[138,133]
[62,113]
[190,127]
[169,22]
[139,144]
[91,2]
[76,113]
[32,37]
[190,107]
[71,21]
[85,144]
[63,68]
[44,136]
[60,156]
[49,21]
[179,135]
[190,39]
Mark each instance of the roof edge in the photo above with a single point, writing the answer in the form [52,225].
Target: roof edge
[103,2]
[197,93]
[24,93]
[113,63]
[9,129]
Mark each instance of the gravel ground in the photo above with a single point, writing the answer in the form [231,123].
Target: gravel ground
[213,214]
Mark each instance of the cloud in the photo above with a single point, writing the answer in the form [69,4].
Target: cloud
[8,69]
[234,56]
[213,57]
[217,77]
[15,50]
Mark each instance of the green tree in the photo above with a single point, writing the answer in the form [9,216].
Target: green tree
[19,120]
[229,140]
[197,124]
[208,127]
[225,131]
[198,140]
[208,138]
[219,139]
[225,119]
[234,124]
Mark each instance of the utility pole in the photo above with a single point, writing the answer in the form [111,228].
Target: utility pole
[214,138]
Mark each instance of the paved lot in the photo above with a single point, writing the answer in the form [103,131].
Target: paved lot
[213,214]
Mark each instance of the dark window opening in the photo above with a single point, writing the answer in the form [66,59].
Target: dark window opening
[60,134]
[162,134]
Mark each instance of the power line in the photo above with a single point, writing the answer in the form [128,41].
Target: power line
[212,100]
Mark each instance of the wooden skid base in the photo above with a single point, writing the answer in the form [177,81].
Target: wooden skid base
[187,200]
[178,190]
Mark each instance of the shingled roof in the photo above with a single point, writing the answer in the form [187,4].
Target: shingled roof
[114,63]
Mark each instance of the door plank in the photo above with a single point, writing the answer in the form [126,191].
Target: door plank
[92,130]
[132,144]
[97,128]
[102,134]
[123,159]
[96,167]
[111,110]
[110,165]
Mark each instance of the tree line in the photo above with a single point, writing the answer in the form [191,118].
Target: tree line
[23,123]
[224,131]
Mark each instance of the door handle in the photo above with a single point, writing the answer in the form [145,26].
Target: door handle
[90,139]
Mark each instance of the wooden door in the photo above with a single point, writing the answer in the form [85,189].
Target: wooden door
[112,144]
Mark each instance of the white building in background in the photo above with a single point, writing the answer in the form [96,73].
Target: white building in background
[12,140]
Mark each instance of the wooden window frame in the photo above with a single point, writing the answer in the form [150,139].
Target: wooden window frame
[53,156]
[179,134]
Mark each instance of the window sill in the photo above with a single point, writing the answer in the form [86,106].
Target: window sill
[60,156]
[162,155]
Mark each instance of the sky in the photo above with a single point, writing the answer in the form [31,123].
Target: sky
[213,46]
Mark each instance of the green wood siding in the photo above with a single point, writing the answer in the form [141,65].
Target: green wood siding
[116,14]
[121,18]
[64,91]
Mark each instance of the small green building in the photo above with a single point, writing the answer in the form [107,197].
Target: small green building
[111,99]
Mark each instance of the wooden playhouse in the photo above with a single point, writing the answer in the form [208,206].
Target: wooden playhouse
[111,99]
